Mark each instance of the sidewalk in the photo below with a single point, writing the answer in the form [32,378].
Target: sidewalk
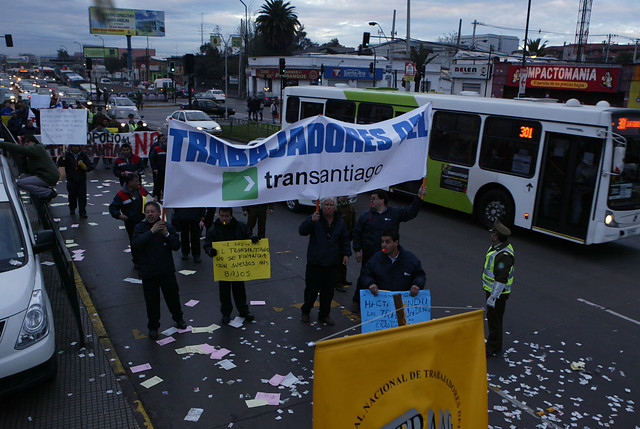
[86,393]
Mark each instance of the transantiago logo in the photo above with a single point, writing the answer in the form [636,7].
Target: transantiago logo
[412,419]
[242,185]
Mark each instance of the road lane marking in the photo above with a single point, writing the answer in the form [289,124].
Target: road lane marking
[622,316]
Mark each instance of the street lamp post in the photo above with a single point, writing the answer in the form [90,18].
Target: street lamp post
[96,74]
[246,46]
[390,47]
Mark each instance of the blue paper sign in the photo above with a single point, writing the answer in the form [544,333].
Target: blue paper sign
[417,309]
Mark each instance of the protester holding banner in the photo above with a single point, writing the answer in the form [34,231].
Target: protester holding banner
[76,165]
[348,215]
[127,162]
[127,206]
[258,214]
[227,228]
[39,173]
[497,278]
[158,163]
[154,242]
[393,268]
[368,230]
[329,246]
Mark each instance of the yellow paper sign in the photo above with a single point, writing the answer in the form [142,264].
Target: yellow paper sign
[241,260]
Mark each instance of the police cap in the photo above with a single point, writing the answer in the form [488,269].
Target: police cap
[500,229]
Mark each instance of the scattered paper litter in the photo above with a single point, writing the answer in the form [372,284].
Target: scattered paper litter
[191,302]
[169,331]
[219,354]
[271,398]
[48,263]
[164,341]
[237,322]
[194,414]
[258,302]
[252,403]
[186,272]
[289,380]
[132,280]
[202,329]
[151,382]
[226,364]
[138,368]
[276,380]
[577,366]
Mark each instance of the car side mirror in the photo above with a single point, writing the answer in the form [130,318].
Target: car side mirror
[45,240]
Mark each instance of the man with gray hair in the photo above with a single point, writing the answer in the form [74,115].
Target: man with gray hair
[329,246]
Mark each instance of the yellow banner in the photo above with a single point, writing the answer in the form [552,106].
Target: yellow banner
[241,260]
[427,375]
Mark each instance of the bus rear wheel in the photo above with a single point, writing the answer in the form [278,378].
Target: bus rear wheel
[493,205]
[293,205]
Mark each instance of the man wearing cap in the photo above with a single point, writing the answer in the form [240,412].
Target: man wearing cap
[497,278]
[131,124]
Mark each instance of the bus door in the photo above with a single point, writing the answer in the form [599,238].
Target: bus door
[568,178]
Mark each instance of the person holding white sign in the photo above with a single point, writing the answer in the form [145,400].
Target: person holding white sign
[393,268]
[329,246]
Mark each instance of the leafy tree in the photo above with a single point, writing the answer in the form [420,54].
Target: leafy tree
[536,47]
[333,43]
[278,24]
[63,54]
[209,66]
[115,64]
[420,57]
[449,39]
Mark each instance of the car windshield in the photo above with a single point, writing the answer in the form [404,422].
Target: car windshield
[124,102]
[12,254]
[124,114]
[197,116]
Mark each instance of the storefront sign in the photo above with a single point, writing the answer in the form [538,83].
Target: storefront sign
[351,73]
[577,78]
[470,71]
[299,74]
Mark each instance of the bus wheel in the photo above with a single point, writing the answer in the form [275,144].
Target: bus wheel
[494,205]
[293,205]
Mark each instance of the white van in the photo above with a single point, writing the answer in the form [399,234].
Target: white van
[163,82]
[27,337]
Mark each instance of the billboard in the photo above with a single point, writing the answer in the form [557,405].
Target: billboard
[99,52]
[577,78]
[126,22]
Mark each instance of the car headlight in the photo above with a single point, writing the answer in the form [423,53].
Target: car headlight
[199,128]
[218,128]
[35,325]
[123,124]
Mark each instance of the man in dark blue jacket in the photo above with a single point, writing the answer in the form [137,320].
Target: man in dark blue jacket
[76,165]
[393,268]
[328,247]
[227,228]
[369,227]
[154,241]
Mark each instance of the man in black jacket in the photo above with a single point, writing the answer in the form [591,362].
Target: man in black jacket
[329,246]
[227,228]
[154,241]
[76,165]
[393,268]
[369,227]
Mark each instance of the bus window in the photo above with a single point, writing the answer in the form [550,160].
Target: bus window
[370,113]
[311,109]
[293,108]
[454,137]
[342,110]
[510,146]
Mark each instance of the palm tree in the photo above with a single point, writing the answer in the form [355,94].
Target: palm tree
[278,24]
[535,48]
[420,58]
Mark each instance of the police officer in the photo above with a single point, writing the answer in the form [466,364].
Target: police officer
[497,279]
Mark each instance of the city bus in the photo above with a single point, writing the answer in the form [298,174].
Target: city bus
[48,74]
[561,169]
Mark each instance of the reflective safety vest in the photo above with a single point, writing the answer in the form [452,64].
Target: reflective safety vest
[488,278]
[132,127]
[90,116]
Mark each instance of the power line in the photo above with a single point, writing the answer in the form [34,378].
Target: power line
[540,31]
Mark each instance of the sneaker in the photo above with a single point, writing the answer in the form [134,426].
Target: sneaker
[355,308]
[153,334]
[341,289]
[248,316]
[181,324]
[226,319]
[185,257]
[304,317]
[327,321]
[197,259]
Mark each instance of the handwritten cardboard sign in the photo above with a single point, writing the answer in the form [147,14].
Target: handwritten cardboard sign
[241,260]
[63,126]
[417,309]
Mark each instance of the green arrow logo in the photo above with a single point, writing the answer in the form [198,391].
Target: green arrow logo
[242,185]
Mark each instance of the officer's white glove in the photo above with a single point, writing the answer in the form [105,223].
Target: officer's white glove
[495,293]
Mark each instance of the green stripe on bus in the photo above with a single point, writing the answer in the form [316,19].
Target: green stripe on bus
[393,98]
[444,197]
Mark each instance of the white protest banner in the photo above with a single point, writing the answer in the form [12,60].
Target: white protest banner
[63,126]
[108,144]
[312,158]
[39,101]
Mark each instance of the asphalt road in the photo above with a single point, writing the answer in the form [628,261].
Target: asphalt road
[570,303]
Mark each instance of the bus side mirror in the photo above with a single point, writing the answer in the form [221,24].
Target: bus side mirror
[618,159]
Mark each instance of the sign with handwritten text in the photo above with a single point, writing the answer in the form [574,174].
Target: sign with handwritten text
[63,126]
[241,260]
[382,309]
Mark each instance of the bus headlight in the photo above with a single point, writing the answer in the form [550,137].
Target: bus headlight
[609,219]
[35,325]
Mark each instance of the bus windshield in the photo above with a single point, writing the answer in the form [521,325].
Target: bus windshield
[624,192]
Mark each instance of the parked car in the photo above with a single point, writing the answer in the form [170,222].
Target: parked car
[296,205]
[268,98]
[116,102]
[213,94]
[27,336]
[209,107]
[196,118]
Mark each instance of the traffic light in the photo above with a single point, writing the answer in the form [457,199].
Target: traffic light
[283,67]
[371,68]
[8,39]
[365,39]
[172,66]
[404,83]
[189,64]
[88,62]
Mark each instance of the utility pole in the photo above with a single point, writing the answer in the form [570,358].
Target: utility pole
[473,37]
[408,27]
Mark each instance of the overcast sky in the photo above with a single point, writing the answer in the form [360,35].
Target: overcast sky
[42,27]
